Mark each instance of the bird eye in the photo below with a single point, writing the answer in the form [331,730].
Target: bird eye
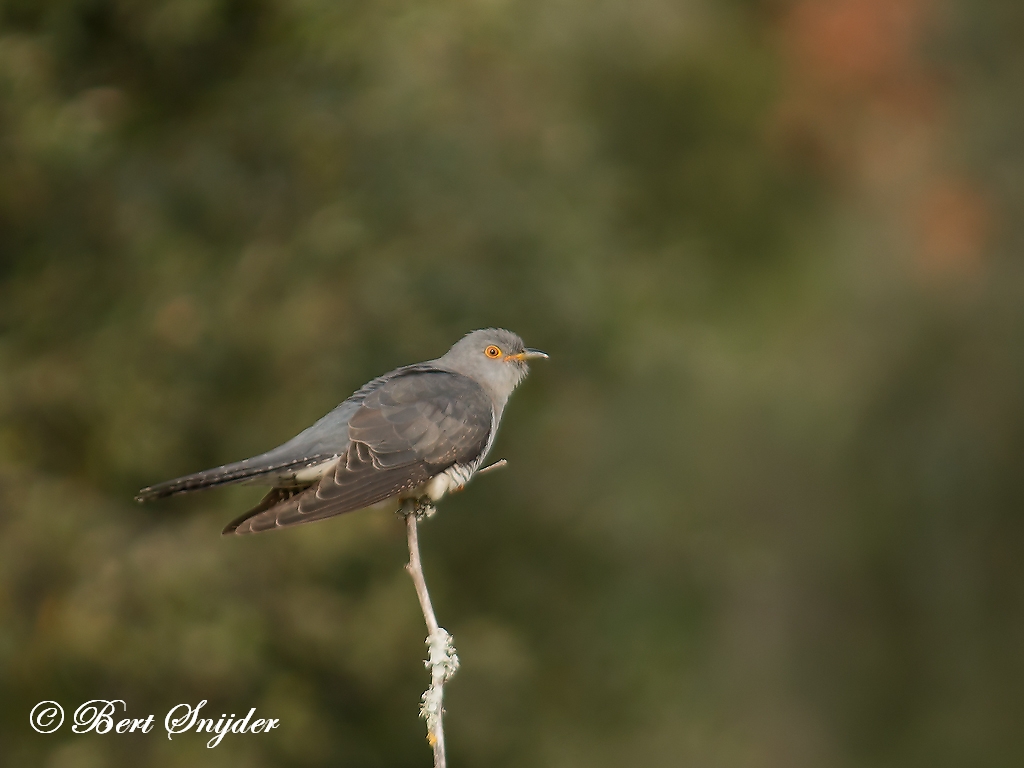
[492,351]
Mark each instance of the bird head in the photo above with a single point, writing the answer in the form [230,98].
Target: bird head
[494,357]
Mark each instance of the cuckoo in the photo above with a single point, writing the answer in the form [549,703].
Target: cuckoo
[415,433]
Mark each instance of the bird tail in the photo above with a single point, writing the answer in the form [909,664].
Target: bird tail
[228,474]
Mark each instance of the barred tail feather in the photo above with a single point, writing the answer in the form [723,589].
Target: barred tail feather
[240,471]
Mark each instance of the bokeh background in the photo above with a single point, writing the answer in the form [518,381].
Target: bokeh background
[763,506]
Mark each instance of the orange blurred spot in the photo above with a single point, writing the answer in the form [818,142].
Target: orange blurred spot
[850,44]
[954,221]
[857,86]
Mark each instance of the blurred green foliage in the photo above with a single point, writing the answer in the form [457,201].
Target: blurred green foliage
[763,506]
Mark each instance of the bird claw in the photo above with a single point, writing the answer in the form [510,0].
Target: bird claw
[422,507]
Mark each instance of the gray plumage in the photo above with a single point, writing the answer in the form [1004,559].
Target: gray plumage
[418,431]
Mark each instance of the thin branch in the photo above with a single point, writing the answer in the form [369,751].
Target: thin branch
[491,467]
[442,660]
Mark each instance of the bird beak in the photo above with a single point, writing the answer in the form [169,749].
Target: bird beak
[526,354]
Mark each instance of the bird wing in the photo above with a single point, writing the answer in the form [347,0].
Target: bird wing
[407,430]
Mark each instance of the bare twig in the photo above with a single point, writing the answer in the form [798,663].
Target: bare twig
[442,660]
[491,467]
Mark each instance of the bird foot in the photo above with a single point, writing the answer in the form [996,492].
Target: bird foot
[422,507]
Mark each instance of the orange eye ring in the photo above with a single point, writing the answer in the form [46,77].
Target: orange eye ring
[492,352]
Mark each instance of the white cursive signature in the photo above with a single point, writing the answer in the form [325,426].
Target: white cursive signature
[100,716]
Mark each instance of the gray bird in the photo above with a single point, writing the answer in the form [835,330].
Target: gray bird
[413,434]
